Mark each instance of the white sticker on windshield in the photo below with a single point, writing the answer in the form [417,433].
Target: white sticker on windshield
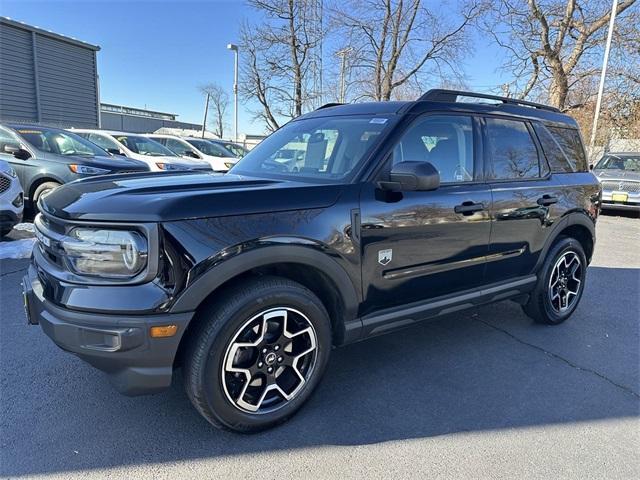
[381,121]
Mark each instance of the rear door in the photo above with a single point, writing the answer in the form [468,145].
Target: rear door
[527,199]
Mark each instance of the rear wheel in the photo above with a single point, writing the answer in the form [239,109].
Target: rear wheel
[560,283]
[256,357]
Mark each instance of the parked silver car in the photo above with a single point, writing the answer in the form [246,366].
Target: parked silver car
[619,174]
[11,198]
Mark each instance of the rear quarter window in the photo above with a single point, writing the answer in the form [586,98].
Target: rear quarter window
[558,161]
[571,144]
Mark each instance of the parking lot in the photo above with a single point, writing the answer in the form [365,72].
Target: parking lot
[483,393]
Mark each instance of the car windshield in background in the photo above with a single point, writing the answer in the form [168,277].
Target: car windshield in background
[325,148]
[623,162]
[209,148]
[59,142]
[144,146]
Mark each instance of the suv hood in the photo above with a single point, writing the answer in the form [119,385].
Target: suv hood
[615,174]
[161,197]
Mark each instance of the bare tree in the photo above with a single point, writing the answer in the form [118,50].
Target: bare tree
[218,104]
[277,59]
[395,41]
[555,46]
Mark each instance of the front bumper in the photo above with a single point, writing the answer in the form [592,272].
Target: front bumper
[611,200]
[119,345]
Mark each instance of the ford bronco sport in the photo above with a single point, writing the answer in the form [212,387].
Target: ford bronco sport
[392,213]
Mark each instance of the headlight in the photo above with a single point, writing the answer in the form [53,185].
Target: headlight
[86,170]
[11,172]
[106,253]
[229,164]
[169,166]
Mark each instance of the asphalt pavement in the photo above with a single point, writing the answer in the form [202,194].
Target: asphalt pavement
[480,394]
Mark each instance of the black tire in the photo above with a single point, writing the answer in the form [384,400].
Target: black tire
[219,324]
[39,191]
[540,306]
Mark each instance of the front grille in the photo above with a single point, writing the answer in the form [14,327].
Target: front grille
[5,183]
[621,186]
[48,232]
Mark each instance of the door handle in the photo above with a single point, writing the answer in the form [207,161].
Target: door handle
[547,200]
[468,208]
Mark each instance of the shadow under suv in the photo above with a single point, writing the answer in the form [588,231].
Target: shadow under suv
[393,213]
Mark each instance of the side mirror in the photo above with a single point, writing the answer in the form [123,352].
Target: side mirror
[191,154]
[115,151]
[15,150]
[591,167]
[407,176]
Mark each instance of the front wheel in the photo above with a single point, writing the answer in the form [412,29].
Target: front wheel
[560,284]
[255,357]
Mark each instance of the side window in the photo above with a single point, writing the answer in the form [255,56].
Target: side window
[571,143]
[103,142]
[512,152]
[177,147]
[557,159]
[445,141]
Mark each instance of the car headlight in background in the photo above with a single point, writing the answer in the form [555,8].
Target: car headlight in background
[169,166]
[116,254]
[229,164]
[87,170]
[11,172]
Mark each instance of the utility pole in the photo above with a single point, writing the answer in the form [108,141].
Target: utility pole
[234,48]
[343,55]
[607,48]
[206,110]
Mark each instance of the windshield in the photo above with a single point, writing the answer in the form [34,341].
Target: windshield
[209,148]
[60,142]
[326,148]
[144,146]
[615,162]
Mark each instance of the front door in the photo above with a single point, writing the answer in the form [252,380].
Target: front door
[420,245]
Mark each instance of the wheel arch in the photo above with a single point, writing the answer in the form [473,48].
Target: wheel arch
[576,225]
[314,269]
[39,180]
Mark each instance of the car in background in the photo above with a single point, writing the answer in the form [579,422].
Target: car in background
[157,157]
[619,175]
[236,150]
[46,157]
[188,147]
[11,198]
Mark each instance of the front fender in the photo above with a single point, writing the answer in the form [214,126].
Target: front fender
[226,266]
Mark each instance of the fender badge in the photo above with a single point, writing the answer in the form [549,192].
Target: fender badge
[385,256]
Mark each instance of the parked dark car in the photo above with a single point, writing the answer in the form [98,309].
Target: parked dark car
[46,157]
[619,174]
[397,212]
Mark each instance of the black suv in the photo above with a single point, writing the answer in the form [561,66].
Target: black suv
[393,213]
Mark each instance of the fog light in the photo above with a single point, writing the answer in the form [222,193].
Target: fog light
[18,201]
[164,331]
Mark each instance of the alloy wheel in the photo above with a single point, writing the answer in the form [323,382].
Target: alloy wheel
[269,360]
[565,282]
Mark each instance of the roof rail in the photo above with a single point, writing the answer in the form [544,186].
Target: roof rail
[327,105]
[442,95]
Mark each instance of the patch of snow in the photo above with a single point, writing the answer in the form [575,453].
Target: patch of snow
[17,248]
[26,227]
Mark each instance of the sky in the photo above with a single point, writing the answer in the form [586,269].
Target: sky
[155,54]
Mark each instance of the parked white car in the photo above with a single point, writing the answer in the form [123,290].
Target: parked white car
[218,157]
[140,147]
[11,198]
